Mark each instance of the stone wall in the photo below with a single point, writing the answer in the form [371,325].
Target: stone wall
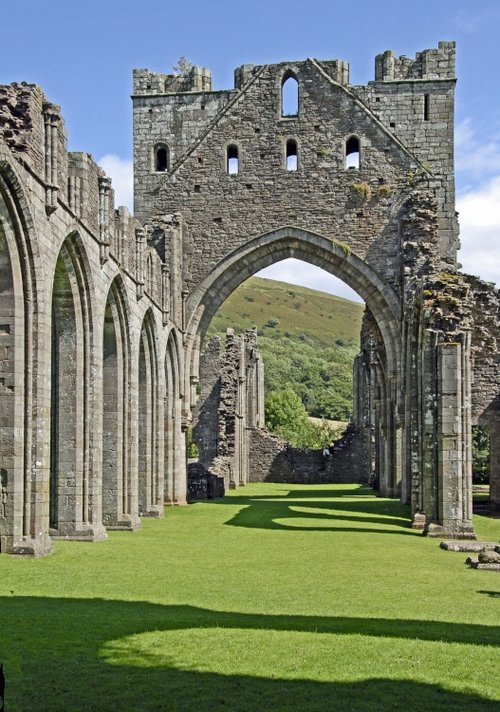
[86,339]
[222,210]
[273,460]
[206,410]
[228,426]
[230,405]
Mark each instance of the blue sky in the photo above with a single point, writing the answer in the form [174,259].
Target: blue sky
[82,54]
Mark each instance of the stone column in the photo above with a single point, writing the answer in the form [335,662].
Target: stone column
[52,119]
[454,473]
[104,235]
[140,241]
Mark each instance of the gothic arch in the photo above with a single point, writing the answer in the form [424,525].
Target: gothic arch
[175,455]
[337,259]
[23,513]
[150,475]
[285,242]
[74,473]
[289,94]
[117,497]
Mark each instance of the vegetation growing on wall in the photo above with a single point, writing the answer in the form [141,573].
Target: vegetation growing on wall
[480,455]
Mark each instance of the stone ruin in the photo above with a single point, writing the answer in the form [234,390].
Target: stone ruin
[230,432]
[102,314]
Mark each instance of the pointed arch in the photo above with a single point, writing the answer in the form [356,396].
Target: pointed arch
[336,258]
[289,94]
[324,252]
[150,476]
[74,475]
[149,275]
[23,506]
[175,445]
[117,498]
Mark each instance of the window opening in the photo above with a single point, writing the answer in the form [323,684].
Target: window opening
[427,106]
[161,159]
[291,155]
[289,96]
[352,153]
[233,162]
[149,275]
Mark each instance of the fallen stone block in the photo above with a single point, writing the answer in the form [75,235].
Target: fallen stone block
[464,546]
[476,564]
[489,557]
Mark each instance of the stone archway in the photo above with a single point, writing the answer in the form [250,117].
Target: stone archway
[150,475]
[335,257]
[117,490]
[175,453]
[74,511]
[23,500]
[12,389]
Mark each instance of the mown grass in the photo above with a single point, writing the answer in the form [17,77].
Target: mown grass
[275,598]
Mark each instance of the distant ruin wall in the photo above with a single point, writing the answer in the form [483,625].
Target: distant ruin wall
[234,445]
[274,460]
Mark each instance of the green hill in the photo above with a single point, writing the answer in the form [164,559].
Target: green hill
[308,340]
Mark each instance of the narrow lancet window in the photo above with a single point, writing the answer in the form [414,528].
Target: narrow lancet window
[161,159]
[352,153]
[291,155]
[149,275]
[233,161]
[289,96]
[427,106]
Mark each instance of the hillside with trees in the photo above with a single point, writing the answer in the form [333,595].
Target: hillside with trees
[308,340]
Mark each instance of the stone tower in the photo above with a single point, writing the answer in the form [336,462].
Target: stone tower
[360,181]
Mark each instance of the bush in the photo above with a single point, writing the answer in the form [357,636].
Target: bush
[192,450]
[287,417]
[480,455]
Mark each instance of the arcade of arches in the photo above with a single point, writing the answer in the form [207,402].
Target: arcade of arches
[102,314]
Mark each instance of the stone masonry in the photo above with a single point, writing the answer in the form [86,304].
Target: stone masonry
[103,314]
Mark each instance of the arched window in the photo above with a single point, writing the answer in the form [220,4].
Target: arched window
[291,155]
[149,275]
[289,95]
[232,160]
[161,158]
[352,153]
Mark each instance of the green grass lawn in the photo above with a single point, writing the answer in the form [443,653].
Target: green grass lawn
[275,598]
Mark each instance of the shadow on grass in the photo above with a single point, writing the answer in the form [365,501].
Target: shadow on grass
[53,658]
[333,507]
[59,641]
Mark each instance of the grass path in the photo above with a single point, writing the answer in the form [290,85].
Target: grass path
[275,598]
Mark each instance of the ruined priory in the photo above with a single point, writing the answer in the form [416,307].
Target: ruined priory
[102,314]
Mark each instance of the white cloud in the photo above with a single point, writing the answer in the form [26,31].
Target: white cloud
[479,215]
[121,173]
[304,274]
[474,156]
